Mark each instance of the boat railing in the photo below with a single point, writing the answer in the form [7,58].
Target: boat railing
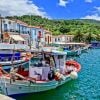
[7,46]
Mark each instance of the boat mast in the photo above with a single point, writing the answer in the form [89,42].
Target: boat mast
[30,31]
[1,36]
[12,60]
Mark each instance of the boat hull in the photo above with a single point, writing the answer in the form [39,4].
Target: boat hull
[17,88]
[72,53]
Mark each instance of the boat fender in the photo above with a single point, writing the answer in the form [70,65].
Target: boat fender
[26,59]
[58,76]
[73,75]
[51,75]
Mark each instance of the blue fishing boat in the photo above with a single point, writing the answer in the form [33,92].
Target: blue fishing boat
[11,52]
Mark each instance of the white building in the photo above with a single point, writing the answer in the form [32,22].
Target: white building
[37,36]
[14,31]
[62,38]
[48,37]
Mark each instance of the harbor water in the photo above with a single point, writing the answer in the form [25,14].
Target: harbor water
[86,87]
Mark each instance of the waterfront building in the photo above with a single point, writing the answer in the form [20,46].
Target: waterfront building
[63,38]
[48,37]
[37,36]
[14,31]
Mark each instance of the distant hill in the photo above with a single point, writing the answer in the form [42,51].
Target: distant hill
[96,22]
[62,26]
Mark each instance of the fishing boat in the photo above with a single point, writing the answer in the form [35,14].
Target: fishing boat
[72,52]
[72,49]
[46,71]
[9,52]
[85,48]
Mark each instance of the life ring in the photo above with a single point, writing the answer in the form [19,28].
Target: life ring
[73,63]
[51,75]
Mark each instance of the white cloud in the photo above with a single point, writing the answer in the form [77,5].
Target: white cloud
[89,1]
[63,2]
[95,17]
[20,7]
[97,8]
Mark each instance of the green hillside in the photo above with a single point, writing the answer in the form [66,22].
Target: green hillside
[78,27]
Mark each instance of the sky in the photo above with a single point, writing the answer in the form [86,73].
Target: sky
[53,9]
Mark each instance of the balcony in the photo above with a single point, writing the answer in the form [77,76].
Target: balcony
[12,30]
[5,30]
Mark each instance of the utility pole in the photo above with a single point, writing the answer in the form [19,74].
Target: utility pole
[1,35]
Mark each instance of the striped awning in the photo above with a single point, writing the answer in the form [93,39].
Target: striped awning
[17,37]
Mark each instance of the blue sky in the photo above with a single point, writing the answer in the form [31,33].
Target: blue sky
[72,9]
[55,9]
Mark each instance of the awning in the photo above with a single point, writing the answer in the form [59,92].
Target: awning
[17,37]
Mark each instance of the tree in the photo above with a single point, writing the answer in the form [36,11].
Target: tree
[64,30]
[98,37]
[79,37]
[90,37]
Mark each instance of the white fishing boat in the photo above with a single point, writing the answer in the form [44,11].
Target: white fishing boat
[47,71]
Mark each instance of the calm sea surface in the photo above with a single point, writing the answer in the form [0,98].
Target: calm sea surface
[86,87]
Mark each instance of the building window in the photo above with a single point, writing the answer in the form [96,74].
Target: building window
[9,22]
[39,34]
[3,21]
[59,39]
[5,28]
[50,38]
[45,39]
[34,33]
[55,40]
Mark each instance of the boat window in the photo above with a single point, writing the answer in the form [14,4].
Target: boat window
[52,62]
[35,61]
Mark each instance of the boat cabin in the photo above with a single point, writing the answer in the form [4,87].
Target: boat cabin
[45,62]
